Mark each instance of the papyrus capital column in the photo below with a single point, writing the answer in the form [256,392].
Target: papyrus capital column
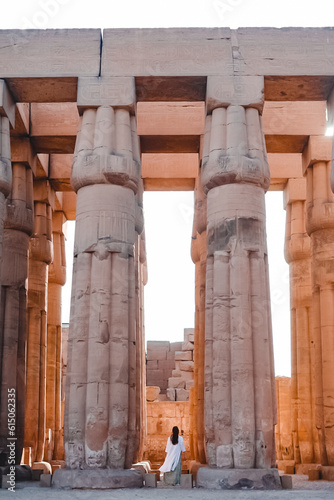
[240,407]
[54,448]
[40,256]
[320,227]
[298,256]
[100,408]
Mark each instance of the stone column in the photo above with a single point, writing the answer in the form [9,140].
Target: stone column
[240,400]
[198,254]
[40,256]
[54,449]
[283,431]
[100,409]
[297,254]
[14,273]
[320,227]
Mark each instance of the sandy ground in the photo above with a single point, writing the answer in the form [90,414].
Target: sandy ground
[302,490]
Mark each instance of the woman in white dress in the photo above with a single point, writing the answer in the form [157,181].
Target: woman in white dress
[172,465]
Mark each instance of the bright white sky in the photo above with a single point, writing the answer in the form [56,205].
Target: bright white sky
[169,295]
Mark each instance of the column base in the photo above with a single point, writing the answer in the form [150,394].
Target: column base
[100,479]
[238,479]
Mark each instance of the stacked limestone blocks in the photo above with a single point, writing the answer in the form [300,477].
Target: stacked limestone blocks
[102,386]
[320,227]
[161,417]
[240,401]
[160,363]
[183,376]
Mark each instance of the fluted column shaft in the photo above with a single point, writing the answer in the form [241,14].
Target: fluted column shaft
[297,254]
[320,227]
[240,401]
[100,408]
[198,253]
[18,227]
[40,256]
[54,449]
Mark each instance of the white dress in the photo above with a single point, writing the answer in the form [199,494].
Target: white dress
[173,454]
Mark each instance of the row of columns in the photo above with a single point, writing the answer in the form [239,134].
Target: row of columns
[32,240]
[309,250]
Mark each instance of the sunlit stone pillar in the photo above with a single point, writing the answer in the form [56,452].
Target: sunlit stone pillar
[54,449]
[198,253]
[320,227]
[100,409]
[14,273]
[283,431]
[297,254]
[240,401]
[40,256]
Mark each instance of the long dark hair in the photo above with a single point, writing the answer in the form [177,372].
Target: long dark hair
[175,435]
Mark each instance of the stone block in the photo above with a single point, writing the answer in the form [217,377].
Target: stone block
[186,481]
[176,382]
[152,364]
[175,346]
[171,394]
[289,469]
[176,373]
[189,384]
[223,91]
[46,53]
[313,475]
[106,91]
[186,366]
[36,474]
[286,482]
[165,364]
[183,355]
[97,479]
[237,479]
[187,346]
[157,354]
[150,480]
[181,395]
[152,392]
[327,473]
[151,52]
[187,332]
[45,480]
[304,468]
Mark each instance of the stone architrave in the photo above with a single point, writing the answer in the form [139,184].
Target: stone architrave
[54,448]
[298,256]
[14,273]
[240,401]
[40,256]
[100,409]
[320,227]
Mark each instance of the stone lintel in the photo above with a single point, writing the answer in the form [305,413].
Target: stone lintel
[106,91]
[45,53]
[295,190]
[43,192]
[7,105]
[318,148]
[223,91]
[60,171]
[97,479]
[42,165]
[237,479]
